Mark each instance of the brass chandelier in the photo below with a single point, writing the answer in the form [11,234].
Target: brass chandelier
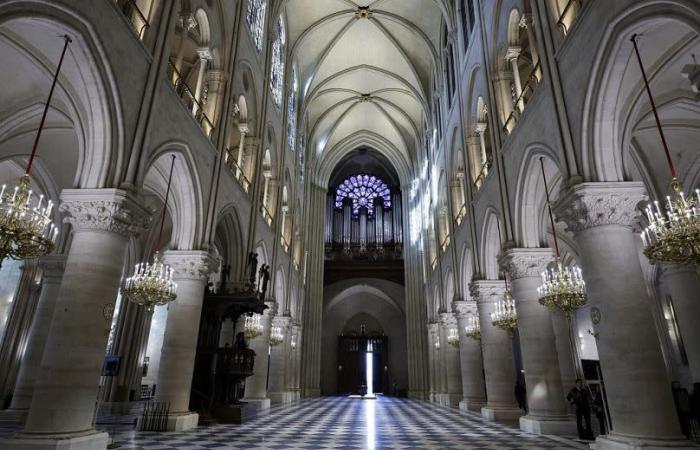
[453,337]
[505,316]
[562,287]
[26,228]
[276,336]
[152,283]
[473,330]
[673,233]
[252,327]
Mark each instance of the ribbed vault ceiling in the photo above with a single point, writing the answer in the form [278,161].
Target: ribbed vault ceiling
[365,69]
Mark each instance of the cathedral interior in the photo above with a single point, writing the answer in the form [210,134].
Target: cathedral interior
[248,224]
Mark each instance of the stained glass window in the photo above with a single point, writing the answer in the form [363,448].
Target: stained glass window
[277,75]
[363,189]
[255,18]
[292,113]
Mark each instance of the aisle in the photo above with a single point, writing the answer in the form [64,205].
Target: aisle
[341,423]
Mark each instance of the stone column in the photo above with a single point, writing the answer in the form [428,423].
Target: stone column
[243,130]
[14,335]
[256,385]
[497,350]
[471,363]
[474,155]
[190,271]
[52,273]
[683,286]
[527,23]
[480,129]
[433,363]
[62,411]
[204,57]
[292,375]
[601,216]
[188,22]
[278,362]
[512,55]
[453,373]
[547,407]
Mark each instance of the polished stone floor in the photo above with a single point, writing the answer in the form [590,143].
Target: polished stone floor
[342,423]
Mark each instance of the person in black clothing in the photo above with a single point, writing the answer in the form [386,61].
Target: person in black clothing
[599,409]
[682,402]
[581,399]
[521,394]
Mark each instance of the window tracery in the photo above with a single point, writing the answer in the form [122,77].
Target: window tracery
[292,113]
[277,75]
[362,189]
[255,18]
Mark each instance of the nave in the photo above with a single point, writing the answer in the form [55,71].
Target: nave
[343,423]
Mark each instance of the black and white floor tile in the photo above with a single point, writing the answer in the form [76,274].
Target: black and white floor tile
[341,423]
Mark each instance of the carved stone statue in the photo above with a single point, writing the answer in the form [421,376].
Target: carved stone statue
[252,267]
[265,280]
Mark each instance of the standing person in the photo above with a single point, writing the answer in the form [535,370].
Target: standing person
[599,409]
[521,394]
[581,399]
[682,402]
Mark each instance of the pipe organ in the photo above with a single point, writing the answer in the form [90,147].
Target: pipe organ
[363,219]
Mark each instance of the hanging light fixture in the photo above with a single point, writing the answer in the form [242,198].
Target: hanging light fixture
[562,287]
[152,283]
[276,336]
[453,337]
[437,342]
[473,330]
[673,233]
[252,327]
[504,316]
[26,229]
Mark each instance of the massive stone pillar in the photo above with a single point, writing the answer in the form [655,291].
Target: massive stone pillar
[62,410]
[14,335]
[52,273]
[547,407]
[601,216]
[497,348]
[684,287]
[256,385]
[190,271]
[471,363]
[279,363]
[453,373]
[313,304]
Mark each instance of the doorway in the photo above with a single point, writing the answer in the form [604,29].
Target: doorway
[362,358]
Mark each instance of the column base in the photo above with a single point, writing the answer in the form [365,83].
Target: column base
[92,441]
[453,399]
[614,441]
[260,404]
[501,414]
[281,398]
[558,426]
[312,393]
[467,405]
[13,416]
[178,422]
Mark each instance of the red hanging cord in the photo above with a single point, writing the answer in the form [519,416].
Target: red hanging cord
[48,102]
[165,204]
[653,107]
[549,207]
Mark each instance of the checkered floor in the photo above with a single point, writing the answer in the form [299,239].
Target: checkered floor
[341,423]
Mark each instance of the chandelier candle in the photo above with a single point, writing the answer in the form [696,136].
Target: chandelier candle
[505,316]
[473,330]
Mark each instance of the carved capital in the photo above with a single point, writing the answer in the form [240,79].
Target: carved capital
[433,328]
[525,262]
[52,267]
[190,264]
[589,205]
[282,321]
[447,319]
[512,53]
[110,210]
[487,291]
[464,309]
